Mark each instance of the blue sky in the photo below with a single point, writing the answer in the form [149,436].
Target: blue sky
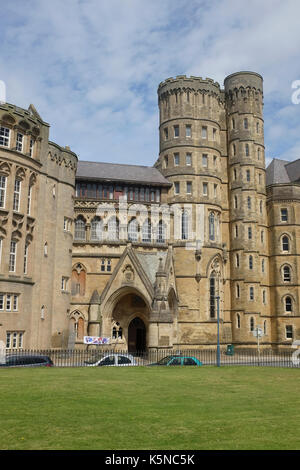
[92,67]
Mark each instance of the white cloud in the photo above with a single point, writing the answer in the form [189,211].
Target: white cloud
[92,68]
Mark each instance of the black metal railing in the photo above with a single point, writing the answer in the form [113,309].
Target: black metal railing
[208,357]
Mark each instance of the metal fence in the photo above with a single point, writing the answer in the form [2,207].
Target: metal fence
[208,357]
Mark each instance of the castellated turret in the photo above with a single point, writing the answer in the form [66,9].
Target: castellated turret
[193,156]
[247,199]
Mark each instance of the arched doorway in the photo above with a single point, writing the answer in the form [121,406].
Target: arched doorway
[136,335]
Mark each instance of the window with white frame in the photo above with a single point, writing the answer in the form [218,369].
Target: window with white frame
[105,265]
[133,230]
[19,142]
[9,302]
[14,339]
[288,304]
[204,160]
[204,132]
[146,231]
[4,136]
[2,190]
[12,256]
[284,215]
[188,130]
[17,192]
[176,131]
[285,243]
[286,274]
[15,302]
[205,189]
[176,187]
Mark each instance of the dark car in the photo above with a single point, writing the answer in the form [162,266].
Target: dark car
[20,360]
[176,360]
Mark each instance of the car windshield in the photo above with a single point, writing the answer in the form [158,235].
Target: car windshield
[165,360]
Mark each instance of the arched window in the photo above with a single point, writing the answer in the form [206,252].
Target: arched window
[185,225]
[285,243]
[78,280]
[237,260]
[264,297]
[288,304]
[237,291]
[234,150]
[238,320]
[211,226]
[114,333]
[146,231]
[245,123]
[79,229]
[235,199]
[265,327]
[77,322]
[96,229]
[133,230]
[113,228]
[252,324]
[161,233]
[286,272]
[258,154]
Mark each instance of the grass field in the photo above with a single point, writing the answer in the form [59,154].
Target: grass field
[150,408]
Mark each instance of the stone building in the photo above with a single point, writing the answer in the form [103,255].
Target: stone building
[149,256]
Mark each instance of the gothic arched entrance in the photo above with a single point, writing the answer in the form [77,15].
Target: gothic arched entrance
[136,335]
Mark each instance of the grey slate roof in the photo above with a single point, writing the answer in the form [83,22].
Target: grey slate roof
[119,172]
[150,262]
[283,171]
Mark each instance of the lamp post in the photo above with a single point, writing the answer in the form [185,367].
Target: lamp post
[218,336]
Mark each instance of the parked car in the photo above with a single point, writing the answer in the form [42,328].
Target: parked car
[178,361]
[25,360]
[116,360]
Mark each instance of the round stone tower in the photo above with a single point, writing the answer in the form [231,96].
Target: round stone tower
[193,157]
[247,199]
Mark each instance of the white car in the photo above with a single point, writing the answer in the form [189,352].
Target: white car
[116,360]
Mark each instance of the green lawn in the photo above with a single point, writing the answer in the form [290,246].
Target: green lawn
[150,408]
